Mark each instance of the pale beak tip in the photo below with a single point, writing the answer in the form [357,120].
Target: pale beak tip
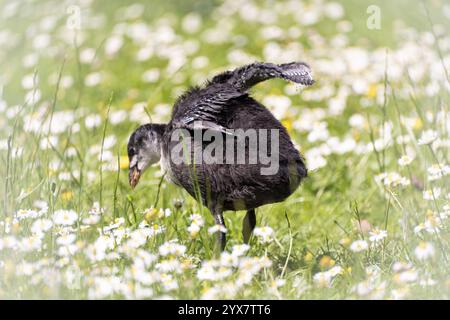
[134,176]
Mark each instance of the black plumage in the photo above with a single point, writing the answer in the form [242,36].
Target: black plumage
[223,105]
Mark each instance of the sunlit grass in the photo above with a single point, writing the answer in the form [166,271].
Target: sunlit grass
[370,221]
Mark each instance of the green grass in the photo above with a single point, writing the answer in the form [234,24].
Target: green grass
[311,254]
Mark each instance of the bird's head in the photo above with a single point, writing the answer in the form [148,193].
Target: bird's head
[144,149]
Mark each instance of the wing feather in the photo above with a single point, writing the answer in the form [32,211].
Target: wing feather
[204,108]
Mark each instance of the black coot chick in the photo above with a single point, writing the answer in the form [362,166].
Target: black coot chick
[220,107]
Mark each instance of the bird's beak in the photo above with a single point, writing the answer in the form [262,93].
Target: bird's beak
[134,176]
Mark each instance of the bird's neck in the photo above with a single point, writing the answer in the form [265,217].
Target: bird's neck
[158,130]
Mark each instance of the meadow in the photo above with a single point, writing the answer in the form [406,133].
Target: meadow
[371,221]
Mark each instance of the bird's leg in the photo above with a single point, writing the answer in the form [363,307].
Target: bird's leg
[248,224]
[221,236]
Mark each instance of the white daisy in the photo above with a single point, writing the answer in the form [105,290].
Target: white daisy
[424,250]
[377,235]
[65,217]
[359,245]
[427,137]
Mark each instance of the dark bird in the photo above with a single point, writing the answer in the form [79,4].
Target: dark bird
[219,181]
